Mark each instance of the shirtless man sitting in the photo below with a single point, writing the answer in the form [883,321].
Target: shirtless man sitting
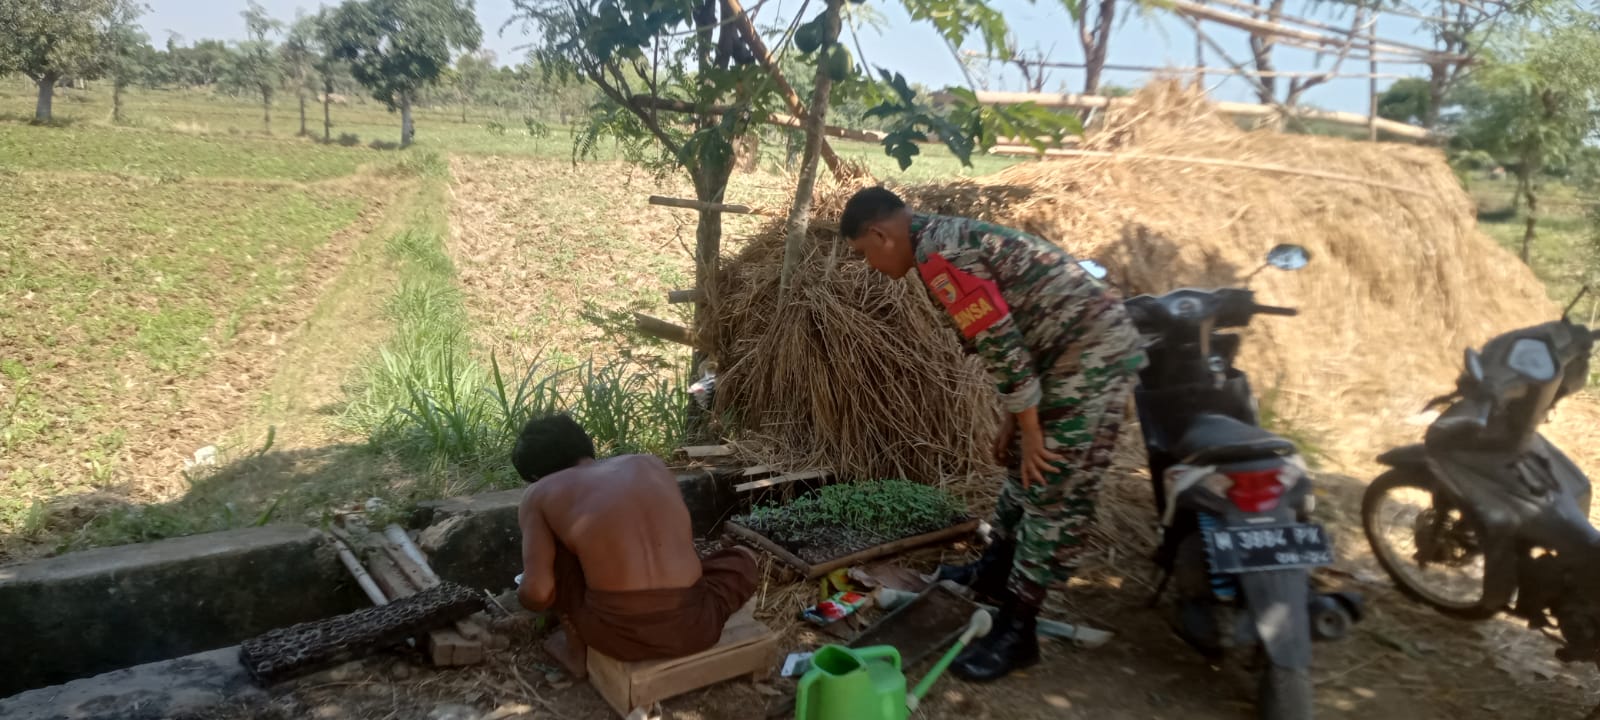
[608,545]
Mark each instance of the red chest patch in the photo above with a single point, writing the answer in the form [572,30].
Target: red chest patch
[973,302]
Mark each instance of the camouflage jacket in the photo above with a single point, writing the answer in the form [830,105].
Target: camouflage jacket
[1021,304]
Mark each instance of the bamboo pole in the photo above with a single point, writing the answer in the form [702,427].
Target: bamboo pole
[1372,85]
[1201,69]
[778,119]
[754,538]
[690,204]
[363,578]
[790,97]
[678,297]
[1214,162]
[1235,109]
[658,328]
[892,548]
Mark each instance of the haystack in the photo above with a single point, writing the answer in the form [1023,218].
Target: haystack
[858,373]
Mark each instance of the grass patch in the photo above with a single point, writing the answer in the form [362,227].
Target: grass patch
[115,295]
[170,156]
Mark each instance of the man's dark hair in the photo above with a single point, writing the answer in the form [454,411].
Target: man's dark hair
[866,207]
[550,444]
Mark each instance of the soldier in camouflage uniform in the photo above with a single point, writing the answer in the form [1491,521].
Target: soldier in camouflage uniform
[1063,354]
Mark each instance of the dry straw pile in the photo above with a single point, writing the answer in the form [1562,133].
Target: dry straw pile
[860,374]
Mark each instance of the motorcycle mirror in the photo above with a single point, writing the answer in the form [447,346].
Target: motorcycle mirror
[1095,270]
[1288,257]
[1474,363]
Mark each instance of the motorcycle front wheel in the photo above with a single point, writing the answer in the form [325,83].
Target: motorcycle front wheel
[1283,693]
[1431,552]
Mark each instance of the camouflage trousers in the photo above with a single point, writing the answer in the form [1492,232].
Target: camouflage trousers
[1081,415]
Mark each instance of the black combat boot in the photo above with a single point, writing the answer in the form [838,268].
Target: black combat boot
[987,575]
[1012,644]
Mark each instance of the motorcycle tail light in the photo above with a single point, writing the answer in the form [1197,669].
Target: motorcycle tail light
[1256,490]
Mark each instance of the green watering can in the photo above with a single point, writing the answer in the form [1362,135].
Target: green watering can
[867,684]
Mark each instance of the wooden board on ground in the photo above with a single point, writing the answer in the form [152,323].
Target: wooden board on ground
[747,648]
[705,451]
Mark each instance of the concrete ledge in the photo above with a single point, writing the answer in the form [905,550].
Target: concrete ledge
[191,686]
[475,540]
[89,612]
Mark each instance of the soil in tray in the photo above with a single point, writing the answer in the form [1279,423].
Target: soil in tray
[837,520]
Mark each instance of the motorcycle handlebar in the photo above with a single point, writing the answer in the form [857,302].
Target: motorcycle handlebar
[1272,310]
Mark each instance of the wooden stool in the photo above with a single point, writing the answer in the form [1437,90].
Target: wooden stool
[747,648]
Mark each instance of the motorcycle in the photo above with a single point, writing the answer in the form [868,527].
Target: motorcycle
[1486,515]
[1234,499]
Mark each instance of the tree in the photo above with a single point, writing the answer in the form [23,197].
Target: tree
[1535,101]
[473,71]
[1408,100]
[126,50]
[299,55]
[397,47]
[328,66]
[255,63]
[48,40]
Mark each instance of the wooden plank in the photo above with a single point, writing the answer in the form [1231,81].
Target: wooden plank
[679,297]
[781,479]
[705,451]
[756,470]
[363,578]
[892,548]
[658,328]
[756,539]
[690,204]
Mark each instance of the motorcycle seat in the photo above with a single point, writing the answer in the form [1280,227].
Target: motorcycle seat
[1218,439]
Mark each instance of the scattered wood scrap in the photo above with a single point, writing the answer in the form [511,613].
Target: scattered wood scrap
[396,568]
[783,479]
[705,451]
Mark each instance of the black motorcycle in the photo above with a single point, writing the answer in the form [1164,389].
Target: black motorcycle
[1486,514]
[1234,499]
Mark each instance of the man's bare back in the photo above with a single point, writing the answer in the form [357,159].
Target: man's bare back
[625,519]
[609,546]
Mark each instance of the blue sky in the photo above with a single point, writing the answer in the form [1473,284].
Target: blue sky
[914,48]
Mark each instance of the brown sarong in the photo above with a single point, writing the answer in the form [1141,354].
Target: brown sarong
[654,624]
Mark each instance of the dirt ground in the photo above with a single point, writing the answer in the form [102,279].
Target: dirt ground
[1402,660]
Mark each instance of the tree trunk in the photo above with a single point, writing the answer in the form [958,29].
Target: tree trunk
[1438,79]
[116,101]
[815,119]
[463,111]
[1095,46]
[406,130]
[266,108]
[301,93]
[1533,213]
[47,94]
[327,114]
[1261,47]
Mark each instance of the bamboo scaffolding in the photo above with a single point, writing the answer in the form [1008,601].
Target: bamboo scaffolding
[1263,27]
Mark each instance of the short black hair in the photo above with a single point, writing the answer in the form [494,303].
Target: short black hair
[866,207]
[550,444]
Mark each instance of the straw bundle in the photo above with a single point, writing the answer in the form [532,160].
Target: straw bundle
[858,373]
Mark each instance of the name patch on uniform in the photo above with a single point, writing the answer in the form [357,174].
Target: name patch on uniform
[973,302]
[975,313]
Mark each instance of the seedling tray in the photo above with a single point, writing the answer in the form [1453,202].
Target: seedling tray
[818,569]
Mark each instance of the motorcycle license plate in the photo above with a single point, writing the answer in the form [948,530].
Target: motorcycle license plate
[1243,549]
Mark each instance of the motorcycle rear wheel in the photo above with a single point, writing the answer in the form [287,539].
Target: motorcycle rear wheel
[1413,493]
